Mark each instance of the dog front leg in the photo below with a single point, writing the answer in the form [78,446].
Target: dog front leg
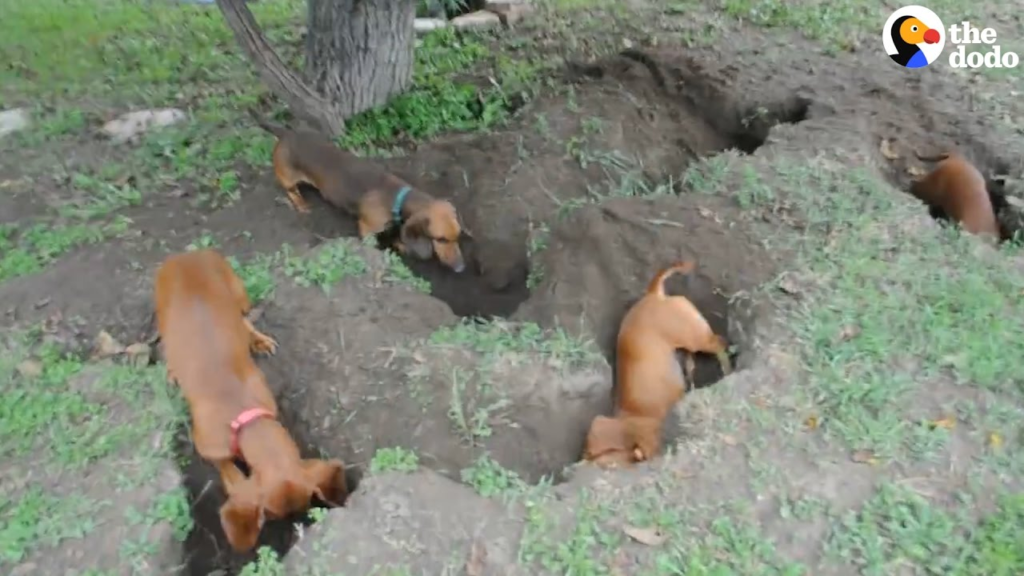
[258,341]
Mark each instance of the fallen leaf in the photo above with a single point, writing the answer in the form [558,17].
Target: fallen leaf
[646,536]
[864,457]
[995,440]
[811,422]
[886,149]
[916,171]
[138,354]
[106,345]
[477,559]
[729,440]
[949,422]
[30,369]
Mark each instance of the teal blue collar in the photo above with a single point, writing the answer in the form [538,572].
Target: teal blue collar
[396,208]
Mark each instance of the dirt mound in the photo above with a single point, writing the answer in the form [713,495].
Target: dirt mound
[394,367]
[421,521]
[599,260]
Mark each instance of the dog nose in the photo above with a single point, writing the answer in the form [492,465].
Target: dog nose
[459,267]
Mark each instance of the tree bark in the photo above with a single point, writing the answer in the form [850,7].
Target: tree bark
[359,53]
[301,98]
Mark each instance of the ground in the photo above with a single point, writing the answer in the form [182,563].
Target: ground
[874,424]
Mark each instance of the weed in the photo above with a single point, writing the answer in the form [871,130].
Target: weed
[395,459]
[468,412]
[489,478]
[328,265]
[102,198]
[258,276]
[267,563]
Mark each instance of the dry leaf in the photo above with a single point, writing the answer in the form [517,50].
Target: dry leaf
[646,536]
[949,422]
[864,457]
[811,422]
[477,559]
[139,354]
[916,171]
[30,369]
[729,440]
[995,440]
[105,345]
[886,149]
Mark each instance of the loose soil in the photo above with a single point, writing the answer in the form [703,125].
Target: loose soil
[357,370]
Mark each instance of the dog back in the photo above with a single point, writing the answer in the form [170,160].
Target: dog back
[199,307]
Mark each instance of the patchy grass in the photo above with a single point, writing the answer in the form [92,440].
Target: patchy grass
[326,266]
[440,101]
[395,459]
[30,251]
[502,338]
[399,273]
[93,416]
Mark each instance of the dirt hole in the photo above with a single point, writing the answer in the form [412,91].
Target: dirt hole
[206,549]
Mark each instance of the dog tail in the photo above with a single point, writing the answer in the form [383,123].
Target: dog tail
[275,129]
[935,158]
[657,285]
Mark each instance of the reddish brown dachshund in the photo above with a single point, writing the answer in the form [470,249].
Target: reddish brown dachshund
[200,310]
[958,189]
[649,379]
[378,198]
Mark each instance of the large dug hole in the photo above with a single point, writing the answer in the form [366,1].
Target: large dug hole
[662,111]
[206,549]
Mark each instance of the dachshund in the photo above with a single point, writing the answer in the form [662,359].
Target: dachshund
[650,381]
[378,198]
[201,308]
[957,188]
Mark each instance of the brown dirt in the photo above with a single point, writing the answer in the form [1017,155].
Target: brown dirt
[355,372]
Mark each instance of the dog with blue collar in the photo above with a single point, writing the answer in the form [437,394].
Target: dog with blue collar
[382,201]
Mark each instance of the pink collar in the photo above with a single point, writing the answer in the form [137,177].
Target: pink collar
[241,421]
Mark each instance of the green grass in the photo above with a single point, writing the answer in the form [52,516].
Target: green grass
[399,273]
[900,527]
[443,97]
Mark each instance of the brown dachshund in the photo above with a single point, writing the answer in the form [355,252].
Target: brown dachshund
[378,198]
[200,311]
[958,189]
[650,381]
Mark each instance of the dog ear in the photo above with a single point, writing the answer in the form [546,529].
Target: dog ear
[242,520]
[606,435]
[328,477]
[415,236]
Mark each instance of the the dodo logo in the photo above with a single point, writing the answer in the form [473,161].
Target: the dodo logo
[913,36]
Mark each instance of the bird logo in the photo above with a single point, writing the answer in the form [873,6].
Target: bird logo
[913,36]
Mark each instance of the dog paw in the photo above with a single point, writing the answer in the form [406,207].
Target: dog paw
[263,344]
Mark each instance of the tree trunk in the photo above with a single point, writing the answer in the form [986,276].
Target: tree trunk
[300,97]
[359,53]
